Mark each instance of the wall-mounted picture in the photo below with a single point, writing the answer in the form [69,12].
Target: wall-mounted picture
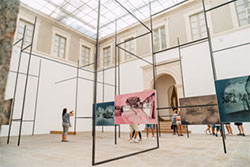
[233,96]
[201,115]
[5,117]
[136,108]
[105,114]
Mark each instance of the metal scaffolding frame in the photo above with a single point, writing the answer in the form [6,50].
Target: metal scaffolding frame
[117,74]
[27,74]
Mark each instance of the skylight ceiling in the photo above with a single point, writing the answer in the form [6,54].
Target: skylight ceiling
[81,15]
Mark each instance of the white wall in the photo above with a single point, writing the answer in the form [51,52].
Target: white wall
[53,97]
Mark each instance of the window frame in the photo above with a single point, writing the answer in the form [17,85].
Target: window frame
[81,57]
[159,36]
[103,53]
[198,25]
[59,46]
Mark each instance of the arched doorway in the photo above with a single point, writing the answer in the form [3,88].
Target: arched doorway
[167,94]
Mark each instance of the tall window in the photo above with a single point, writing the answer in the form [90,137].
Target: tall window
[129,46]
[107,56]
[28,32]
[85,55]
[243,11]
[59,46]
[198,26]
[159,39]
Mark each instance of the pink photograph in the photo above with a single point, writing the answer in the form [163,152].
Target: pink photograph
[136,108]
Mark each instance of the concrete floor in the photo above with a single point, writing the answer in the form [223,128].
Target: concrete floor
[197,151]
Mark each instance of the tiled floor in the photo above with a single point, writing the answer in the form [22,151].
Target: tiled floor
[197,151]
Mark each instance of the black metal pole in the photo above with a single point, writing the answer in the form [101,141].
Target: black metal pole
[154,74]
[76,98]
[103,91]
[182,78]
[26,84]
[119,128]
[212,61]
[15,88]
[37,92]
[95,84]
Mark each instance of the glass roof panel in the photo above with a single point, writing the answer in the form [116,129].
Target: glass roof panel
[81,15]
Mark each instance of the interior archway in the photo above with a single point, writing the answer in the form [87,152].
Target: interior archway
[167,94]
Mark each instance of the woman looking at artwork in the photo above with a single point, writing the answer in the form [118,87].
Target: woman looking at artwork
[66,123]
[178,123]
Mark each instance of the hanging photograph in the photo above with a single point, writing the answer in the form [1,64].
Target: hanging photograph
[105,114]
[233,96]
[5,117]
[199,115]
[136,108]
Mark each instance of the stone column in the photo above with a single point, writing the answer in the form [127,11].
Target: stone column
[8,16]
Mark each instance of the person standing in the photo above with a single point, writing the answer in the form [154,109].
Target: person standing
[178,123]
[229,129]
[174,127]
[66,123]
[150,126]
[240,128]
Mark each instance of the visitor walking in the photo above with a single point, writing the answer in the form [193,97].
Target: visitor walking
[66,123]
[133,127]
[208,130]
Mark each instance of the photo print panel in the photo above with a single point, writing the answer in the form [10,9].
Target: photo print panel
[199,115]
[136,108]
[105,114]
[233,96]
[5,118]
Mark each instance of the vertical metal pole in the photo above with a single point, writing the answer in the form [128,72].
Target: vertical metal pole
[182,78]
[76,98]
[37,92]
[103,91]
[212,62]
[154,73]
[95,84]
[26,84]
[15,88]
[119,78]
[119,132]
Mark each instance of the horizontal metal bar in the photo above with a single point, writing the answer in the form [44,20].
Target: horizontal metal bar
[202,105]
[219,50]
[24,73]
[65,80]
[87,65]
[17,42]
[109,68]
[46,58]
[97,81]
[22,120]
[84,117]
[133,15]
[133,38]
[135,55]
[167,63]
[165,115]
[26,47]
[184,44]
[220,5]
[16,120]
[169,8]
[125,156]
